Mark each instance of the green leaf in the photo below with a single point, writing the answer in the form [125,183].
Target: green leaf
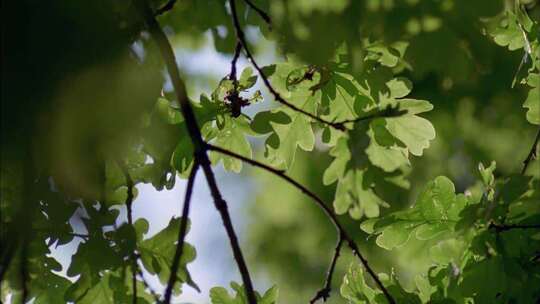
[387,155]
[435,213]
[296,130]
[231,135]
[487,173]
[354,193]
[399,87]
[414,131]
[532,102]
[355,289]
[247,79]
[508,33]
[158,251]
[220,295]
[99,293]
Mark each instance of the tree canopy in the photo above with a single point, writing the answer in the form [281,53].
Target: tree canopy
[397,141]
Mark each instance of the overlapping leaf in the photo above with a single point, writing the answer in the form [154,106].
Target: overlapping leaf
[290,129]
[435,214]
[516,30]
[532,102]
[355,289]
[220,295]
[386,142]
[158,251]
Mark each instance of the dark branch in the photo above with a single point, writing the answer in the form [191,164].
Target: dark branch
[147,286]
[129,204]
[82,236]
[197,140]
[165,8]
[24,272]
[233,97]
[320,203]
[181,234]
[532,153]
[387,112]
[241,37]
[506,227]
[130,185]
[324,293]
[237,50]
[259,11]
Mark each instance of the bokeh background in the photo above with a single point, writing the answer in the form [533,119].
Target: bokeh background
[478,117]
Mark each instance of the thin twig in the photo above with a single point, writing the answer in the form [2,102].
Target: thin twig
[147,286]
[237,50]
[196,138]
[320,203]
[532,153]
[165,8]
[506,227]
[241,37]
[129,204]
[324,293]
[259,11]
[181,234]
[80,235]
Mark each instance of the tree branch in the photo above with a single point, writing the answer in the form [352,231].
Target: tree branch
[24,272]
[196,138]
[232,75]
[165,8]
[324,293]
[259,11]
[503,227]
[241,37]
[129,204]
[320,203]
[532,154]
[181,233]
[79,235]
[147,286]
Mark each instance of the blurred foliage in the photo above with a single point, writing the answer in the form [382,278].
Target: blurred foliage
[446,85]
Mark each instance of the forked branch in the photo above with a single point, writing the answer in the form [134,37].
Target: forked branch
[324,293]
[342,233]
[241,37]
[196,138]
